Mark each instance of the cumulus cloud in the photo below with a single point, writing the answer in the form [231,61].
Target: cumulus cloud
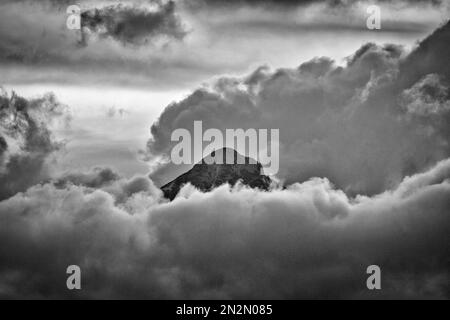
[428,99]
[358,125]
[107,179]
[26,140]
[307,241]
[95,178]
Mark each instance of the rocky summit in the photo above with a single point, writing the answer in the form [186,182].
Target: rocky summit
[207,175]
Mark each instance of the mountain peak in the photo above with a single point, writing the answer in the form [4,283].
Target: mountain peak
[227,155]
[210,173]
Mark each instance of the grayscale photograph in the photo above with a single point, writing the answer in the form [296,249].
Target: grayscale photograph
[208,150]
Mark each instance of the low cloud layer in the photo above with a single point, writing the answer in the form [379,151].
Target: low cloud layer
[308,241]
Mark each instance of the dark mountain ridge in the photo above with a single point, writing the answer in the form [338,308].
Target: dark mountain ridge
[207,175]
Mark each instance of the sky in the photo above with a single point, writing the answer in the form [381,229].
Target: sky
[166,61]
[86,117]
[192,43]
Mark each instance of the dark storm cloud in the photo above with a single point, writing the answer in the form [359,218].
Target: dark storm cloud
[24,123]
[135,23]
[132,24]
[364,125]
